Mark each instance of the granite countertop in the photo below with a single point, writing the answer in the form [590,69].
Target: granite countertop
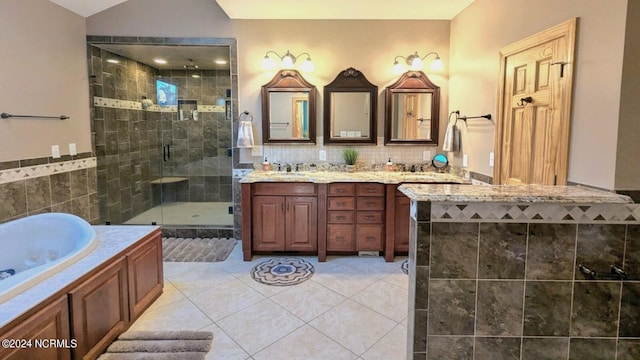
[111,241]
[323,177]
[511,194]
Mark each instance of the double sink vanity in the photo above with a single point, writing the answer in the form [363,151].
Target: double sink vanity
[327,212]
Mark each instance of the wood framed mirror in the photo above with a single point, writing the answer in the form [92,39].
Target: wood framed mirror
[288,109]
[350,109]
[412,110]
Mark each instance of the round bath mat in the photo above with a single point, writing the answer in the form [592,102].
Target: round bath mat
[405,266]
[282,271]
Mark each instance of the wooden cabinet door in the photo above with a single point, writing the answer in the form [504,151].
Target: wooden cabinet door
[100,308]
[268,223]
[401,220]
[51,322]
[145,275]
[302,224]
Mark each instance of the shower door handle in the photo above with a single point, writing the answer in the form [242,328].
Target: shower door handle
[166,152]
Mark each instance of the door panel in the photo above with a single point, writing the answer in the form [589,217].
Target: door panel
[268,223]
[302,225]
[533,135]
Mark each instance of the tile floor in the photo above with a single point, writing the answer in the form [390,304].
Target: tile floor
[352,308]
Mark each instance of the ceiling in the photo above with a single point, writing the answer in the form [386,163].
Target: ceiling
[176,56]
[203,56]
[310,9]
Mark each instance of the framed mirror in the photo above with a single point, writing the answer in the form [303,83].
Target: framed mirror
[288,109]
[412,110]
[350,109]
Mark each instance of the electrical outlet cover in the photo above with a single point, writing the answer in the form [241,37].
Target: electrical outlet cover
[426,155]
[491,159]
[465,160]
[322,155]
[55,151]
[72,149]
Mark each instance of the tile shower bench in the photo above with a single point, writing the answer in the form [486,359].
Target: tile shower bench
[523,272]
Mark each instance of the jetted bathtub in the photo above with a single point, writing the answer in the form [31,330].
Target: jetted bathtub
[37,246]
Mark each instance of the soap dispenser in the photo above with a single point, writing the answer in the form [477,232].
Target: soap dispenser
[389,165]
[265,165]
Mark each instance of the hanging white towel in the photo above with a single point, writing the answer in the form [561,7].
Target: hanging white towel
[451,138]
[245,134]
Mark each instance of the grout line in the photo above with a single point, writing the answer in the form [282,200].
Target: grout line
[573,287]
[524,289]
[475,312]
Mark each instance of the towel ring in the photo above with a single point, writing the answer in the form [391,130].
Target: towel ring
[246,115]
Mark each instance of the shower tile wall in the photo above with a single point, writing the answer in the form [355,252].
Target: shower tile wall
[129,142]
[199,149]
[43,185]
[486,289]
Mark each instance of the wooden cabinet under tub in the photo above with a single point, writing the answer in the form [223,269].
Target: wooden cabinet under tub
[93,310]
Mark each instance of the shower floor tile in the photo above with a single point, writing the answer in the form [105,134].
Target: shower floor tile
[186,213]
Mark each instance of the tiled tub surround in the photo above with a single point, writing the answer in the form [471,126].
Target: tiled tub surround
[31,186]
[494,273]
[129,140]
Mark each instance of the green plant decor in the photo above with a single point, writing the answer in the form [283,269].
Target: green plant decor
[350,156]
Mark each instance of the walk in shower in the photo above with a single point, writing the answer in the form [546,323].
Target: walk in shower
[161,125]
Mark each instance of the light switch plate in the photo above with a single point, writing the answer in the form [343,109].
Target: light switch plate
[72,149]
[465,160]
[491,159]
[322,155]
[426,155]
[55,151]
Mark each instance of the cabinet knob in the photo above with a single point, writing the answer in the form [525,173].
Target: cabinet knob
[341,217]
[371,191]
[339,238]
[370,217]
[371,238]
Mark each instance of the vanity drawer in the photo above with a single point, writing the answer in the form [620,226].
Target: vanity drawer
[341,238]
[341,217]
[370,217]
[341,189]
[369,237]
[341,203]
[370,203]
[370,189]
[284,189]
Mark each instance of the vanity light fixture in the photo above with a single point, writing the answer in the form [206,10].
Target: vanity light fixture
[287,61]
[415,62]
[159,61]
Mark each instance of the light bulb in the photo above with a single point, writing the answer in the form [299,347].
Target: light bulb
[268,63]
[416,64]
[436,64]
[398,68]
[287,61]
[307,65]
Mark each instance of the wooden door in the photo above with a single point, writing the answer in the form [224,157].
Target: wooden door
[409,120]
[532,132]
[268,223]
[301,223]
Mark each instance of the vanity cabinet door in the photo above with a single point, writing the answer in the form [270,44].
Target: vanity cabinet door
[268,223]
[401,220]
[301,223]
[285,223]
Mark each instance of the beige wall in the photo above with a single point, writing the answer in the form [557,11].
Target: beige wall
[43,71]
[369,46]
[628,152]
[478,33]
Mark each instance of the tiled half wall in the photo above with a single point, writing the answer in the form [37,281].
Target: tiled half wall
[33,186]
[503,281]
